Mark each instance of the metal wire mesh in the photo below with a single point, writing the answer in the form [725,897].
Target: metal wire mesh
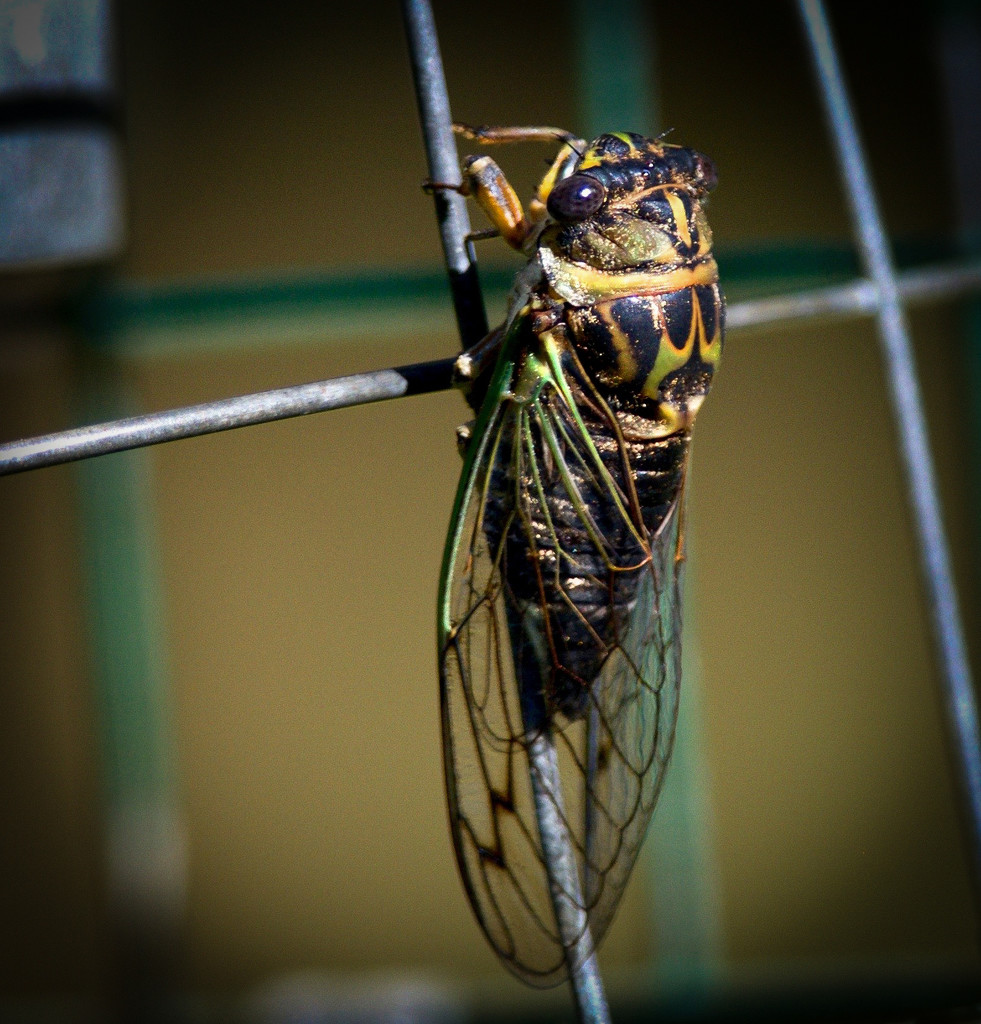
[882,294]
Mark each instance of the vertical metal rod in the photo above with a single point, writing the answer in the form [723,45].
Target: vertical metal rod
[454,225]
[959,699]
[444,166]
[564,882]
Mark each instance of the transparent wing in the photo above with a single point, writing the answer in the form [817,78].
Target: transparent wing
[560,616]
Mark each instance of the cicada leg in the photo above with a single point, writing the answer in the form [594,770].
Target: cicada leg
[485,181]
[492,134]
[464,189]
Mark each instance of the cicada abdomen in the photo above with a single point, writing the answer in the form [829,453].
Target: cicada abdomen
[560,599]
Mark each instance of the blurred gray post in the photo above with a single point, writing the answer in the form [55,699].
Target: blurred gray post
[62,217]
[60,166]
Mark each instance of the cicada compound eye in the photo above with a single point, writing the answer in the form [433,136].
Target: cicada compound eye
[576,198]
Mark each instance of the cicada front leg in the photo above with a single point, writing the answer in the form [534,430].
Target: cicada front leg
[484,180]
[493,134]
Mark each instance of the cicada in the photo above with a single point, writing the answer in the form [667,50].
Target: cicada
[559,603]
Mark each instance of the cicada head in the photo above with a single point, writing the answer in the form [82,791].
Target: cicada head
[632,204]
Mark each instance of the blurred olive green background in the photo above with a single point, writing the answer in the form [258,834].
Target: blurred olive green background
[299,560]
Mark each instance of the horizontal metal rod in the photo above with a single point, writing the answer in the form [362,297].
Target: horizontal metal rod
[224,414]
[856,298]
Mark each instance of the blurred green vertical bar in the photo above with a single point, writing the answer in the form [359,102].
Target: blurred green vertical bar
[615,65]
[144,838]
[617,76]
[124,612]
[688,905]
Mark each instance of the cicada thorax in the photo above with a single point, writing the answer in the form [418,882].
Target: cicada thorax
[651,357]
